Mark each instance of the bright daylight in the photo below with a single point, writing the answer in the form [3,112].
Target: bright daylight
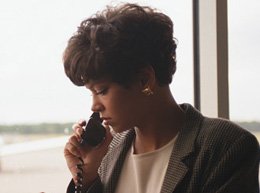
[39,104]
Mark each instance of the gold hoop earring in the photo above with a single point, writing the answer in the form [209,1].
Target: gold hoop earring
[147,91]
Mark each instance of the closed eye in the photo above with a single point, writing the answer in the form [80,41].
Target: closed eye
[102,91]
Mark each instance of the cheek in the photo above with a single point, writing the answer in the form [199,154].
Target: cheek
[125,105]
[127,114]
[119,100]
[123,114]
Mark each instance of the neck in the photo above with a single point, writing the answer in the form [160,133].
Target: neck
[161,124]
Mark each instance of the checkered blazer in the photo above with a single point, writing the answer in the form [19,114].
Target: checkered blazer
[209,156]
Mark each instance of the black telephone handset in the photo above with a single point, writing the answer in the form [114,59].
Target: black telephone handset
[93,134]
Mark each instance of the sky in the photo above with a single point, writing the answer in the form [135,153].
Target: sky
[34,33]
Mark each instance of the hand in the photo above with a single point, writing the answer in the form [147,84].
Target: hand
[92,156]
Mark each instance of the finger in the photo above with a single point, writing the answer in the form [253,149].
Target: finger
[78,130]
[74,140]
[109,135]
[82,122]
[112,131]
[76,126]
[72,148]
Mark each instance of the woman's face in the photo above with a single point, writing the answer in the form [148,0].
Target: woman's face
[118,106]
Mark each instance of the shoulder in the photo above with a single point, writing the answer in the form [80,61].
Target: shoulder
[215,133]
[228,154]
[221,134]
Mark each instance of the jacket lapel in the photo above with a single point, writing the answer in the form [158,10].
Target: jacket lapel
[183,149]
[177,169]
[116,160]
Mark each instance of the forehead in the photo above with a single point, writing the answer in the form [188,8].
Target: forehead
[92,83]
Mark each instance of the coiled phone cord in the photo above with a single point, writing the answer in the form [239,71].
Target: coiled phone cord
[93,134]
[79,182]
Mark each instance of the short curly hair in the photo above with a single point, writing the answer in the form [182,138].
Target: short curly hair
[118,43]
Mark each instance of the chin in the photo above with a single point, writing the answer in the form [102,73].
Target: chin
[118,129]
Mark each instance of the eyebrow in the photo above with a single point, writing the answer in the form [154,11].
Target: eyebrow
[91,84]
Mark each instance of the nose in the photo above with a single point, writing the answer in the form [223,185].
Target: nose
[97,106]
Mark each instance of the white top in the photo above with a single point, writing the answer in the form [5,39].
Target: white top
[144,173]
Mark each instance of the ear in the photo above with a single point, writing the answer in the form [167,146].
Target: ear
[147,77]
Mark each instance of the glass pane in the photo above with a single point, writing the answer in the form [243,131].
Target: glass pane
[39,103]
[244,60]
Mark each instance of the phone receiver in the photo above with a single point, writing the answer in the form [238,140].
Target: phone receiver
[94,132]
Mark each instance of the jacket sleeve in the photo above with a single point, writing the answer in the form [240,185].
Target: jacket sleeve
[96,187]
[235,170]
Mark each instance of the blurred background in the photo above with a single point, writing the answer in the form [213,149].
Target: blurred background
[38,103]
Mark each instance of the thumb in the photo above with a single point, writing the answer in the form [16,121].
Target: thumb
[109,133]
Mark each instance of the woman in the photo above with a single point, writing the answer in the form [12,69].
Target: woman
[126,57]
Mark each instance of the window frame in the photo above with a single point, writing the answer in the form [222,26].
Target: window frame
[210,47]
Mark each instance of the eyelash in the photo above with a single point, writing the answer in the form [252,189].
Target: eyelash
[102,92]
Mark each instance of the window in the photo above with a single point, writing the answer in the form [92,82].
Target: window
[34,88]
[244,59]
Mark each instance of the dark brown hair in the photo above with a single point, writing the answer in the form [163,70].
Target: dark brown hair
[120,41]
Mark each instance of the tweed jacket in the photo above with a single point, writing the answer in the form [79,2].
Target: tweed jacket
[210,155]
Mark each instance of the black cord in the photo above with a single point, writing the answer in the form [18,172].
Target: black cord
[79,182]
[95,135]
